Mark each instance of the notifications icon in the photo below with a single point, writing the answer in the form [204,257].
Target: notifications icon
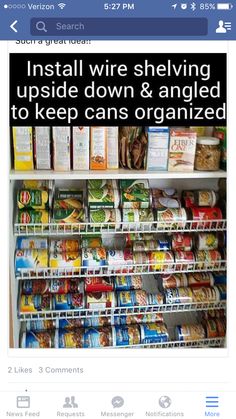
[117,402]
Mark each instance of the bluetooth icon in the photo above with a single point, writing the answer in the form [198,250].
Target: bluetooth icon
[193,6]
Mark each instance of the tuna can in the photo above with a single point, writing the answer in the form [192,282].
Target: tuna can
[64,246]
[98,284]
[68,301]
[126,283]
[100,300]
[202,214]
[31,259]
[66,260]
[184,260]
[105,217]
[70,338]
[171,218]
[153,333]
[208,259]
[182,295]
[200,279]
[94,259]
[206,241]
[70,324]
[36,340]
[161,260]
[37,199]
[29,243]
[222,290]
[126,335]
[182,241]
[206,295]
[132,298]
[174,280]
[97,337]
[120,261]
[40,325]
[188,332]
[35,303]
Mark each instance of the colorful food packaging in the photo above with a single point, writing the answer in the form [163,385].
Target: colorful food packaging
[132,147]
[208,259]
[70,338]
[171,218]
[199,198]
[149,245]
[37,340]
[105,197]
[182,241]
[30,216]
[184,259]
[130,185]
[61,148]
[221,133]
[106,217]
[202,214]
[64,246]
[69,216]
[206,241]
[132,298]
[153,333]
[94,258]
[155,299]
[97,321]
[158,144]
[97,338]
[126,335]
[219,278]
[23,148]
[91,242]
[100,300]
[68,301]
[221,327]
[133,218]
[200,279]
[51,286]
[112,148]
[69,324]
[102,183]
[205,294]
[25,243]
[120,261]
[40,325]
[142,259]
[176,280]
[31,259]
[182,295]
[139,318]
[211,329]
[68,203]
[126,283]
[42,151]
[98,284]
[98,148]
[35,303]
[136,199]
[222,290]
[80,151]
[161,260]
[182,150]
[32,198]
[188,332]
[65,260]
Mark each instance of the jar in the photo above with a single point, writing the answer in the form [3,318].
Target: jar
[207,153]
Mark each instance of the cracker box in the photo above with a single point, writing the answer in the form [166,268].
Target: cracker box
[23,148]
[42,144]
[112,147]
[80,139]
[98,148]
[61,148]
[158,143]
[182,150]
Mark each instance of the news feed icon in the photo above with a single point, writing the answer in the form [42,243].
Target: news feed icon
[23,402]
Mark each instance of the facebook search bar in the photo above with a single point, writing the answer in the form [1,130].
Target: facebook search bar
[118,27]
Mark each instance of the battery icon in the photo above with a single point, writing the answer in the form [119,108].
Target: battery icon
[224,6]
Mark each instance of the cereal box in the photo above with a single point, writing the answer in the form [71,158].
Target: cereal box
[80,137]
[98,148]
[182,150]
[158,142]
[112,147]
[61,148]
[23,148]
[42,143]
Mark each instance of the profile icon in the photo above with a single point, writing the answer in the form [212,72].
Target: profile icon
[67,403]
[221,28]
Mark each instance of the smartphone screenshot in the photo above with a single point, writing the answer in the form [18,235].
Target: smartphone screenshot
[117,168]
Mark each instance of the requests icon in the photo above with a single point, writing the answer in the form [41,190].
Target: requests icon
[117,402]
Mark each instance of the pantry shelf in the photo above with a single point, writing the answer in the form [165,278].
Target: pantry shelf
[113,174]
[131,269]
[122,311]
[213,342]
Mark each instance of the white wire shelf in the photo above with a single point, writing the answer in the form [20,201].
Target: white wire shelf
[202,343]
[121,311]
[59,229]
[120,270]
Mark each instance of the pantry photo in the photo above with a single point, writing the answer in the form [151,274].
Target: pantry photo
[118,236]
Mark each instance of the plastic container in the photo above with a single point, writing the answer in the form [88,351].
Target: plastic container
[207,153]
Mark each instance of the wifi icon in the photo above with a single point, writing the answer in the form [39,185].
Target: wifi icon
[61,5]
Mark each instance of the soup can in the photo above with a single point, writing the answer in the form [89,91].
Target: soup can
[161,260]
[202,214]
[64,246]
[171,218]
[120,261]
[97,337]
[40,325]
[206,241]
[70,338]
[153,333]
[70,324]
[208,259]
[100,300]
[68,301]
[126,283]
[184,260]
[35,303]
[206,295]
[182,241]
[174,280]
[39,340]
[200,279]
[98,284]
[190,332]
[182,295]
[126,335]
[94,258]
[29,243]
[132,298]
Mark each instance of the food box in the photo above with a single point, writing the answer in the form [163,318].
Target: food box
[112,148]
[42,143]
[81,139]
[98,148]
[23,148]
[158,143]
[61,148]
[182,150]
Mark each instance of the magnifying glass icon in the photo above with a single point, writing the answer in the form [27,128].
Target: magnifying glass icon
[40,26]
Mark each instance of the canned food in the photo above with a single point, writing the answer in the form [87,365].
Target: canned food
[132,298]
[153,333]
[100,300]
[155,299]
[40,325]
[69,216]
[182,241]
[213,314]
[149,245]
[106,197]
[70,324]
[202,214]
[97,338]
[139,318]
[131,237]
[36,340]
[51,286]
[69,193]
[98,321]
[206,241]
[65,260]
[68,301]
[182,295]
[199,198]
[219,278]
[161,260]
[35,303]
[200,279]
[171,218]
[126,283]
[184,259]
[91,242]
[133,184]
[136,199]
[70,338]
[33,259]
[37,199]
[126,335]
[205,295]
[222,290]
[188,332]
[68,203]
[63,246]
[105,217]
[98,284]
[94,258]
[221,327]
[101,183]
[164,198]
[29,243]
[174,280]
[120,261]
[211,329]
[30,216]
[207,259]
[133,218]
[142,259]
